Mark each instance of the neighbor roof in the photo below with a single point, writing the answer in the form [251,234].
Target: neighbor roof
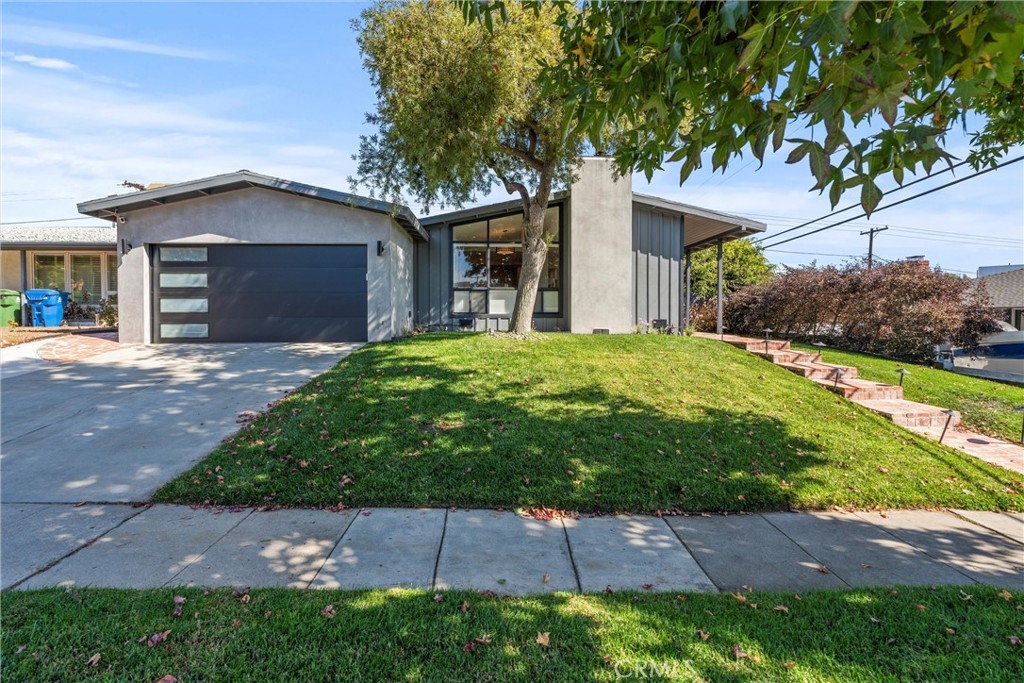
[110,207]
[1005,289]
[57,236]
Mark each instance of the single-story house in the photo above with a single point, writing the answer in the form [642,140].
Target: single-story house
[1006,290]
[245,257]
[80,260]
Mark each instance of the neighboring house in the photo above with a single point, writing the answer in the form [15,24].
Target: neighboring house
[1006,290]
[79,260]
[992,270]
[246,257]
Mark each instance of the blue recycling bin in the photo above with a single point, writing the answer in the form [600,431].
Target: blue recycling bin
[46,308]
[64,298]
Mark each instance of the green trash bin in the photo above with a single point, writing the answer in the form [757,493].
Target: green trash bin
[10,307]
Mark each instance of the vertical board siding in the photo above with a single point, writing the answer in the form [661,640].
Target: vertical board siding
[658,267]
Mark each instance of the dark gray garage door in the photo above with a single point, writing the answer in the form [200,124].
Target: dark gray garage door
[259,293]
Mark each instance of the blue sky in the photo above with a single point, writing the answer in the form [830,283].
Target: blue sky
[94,94]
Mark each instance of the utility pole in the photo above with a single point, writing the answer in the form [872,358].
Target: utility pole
[871,243]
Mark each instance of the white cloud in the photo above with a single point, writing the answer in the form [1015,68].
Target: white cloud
[42,62]
[49,35]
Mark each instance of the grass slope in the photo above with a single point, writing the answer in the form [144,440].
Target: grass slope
[906,634]
[985,405]
[590,423]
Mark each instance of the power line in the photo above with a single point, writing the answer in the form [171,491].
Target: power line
[901,201]
[854,206]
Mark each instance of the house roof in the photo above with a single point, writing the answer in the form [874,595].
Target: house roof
[57,236]
[703,226]
[1005,289]
[110,207]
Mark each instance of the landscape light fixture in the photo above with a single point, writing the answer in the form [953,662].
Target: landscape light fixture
[950,414]
[837,373]
[903,372]
[767,334]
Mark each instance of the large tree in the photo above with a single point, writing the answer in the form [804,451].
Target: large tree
[459,107]
[743,264]
[872,87]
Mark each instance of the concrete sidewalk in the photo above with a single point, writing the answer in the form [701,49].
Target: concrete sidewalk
[168,545]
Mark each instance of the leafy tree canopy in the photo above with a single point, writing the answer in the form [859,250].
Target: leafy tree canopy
[742,264]
[872,87]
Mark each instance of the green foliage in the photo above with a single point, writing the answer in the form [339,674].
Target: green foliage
[946,634]
[608,423]
[879,84]
[459,106]
[743,264]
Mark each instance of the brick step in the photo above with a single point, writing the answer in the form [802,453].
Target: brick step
[779,356]
[909,413]
[819,370]
[861,389]
[754,345]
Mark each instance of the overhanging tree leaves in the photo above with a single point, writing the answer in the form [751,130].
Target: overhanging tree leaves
[873,86]
[459,106]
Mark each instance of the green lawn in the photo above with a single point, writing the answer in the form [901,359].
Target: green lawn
[589,423]
[985,405]
[902,634]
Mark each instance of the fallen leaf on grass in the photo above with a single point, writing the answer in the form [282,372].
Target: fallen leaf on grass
[235,623]
[246,599]
[874,620]
[681,598]
[647,586]
[22,648]
[328,611]
[544,639]
[738,652]
[438,597]
[1014,640]
[485,639]
[789,665]
[1005,595]
[951,631]
[781,608]
[94,660]
[921,607]
[883,470]
[167,679]
[739,597]
[179,600]
[157,638]
[704,635]
[240,592]
[177,612]
[469,646]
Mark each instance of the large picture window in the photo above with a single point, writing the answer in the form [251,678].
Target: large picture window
[487,260]
[86,276]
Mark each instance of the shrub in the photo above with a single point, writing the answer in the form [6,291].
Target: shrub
[107,314]
[902,310]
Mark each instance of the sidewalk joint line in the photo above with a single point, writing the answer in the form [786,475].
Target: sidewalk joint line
[572,558]
[199,555]
[690,552]
[806,551]
[1018,541]
[65,556]
[440,547]
[334,547]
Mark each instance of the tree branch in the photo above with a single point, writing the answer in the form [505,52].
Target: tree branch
[526,157]
[513,187]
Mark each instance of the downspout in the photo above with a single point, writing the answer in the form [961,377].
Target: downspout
[721,328]
[684,294]
[24,285]
[688,295]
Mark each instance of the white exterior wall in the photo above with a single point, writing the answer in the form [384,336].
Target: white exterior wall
[600,249]
[258,216]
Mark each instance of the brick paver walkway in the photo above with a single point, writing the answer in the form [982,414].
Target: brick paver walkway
[75,347]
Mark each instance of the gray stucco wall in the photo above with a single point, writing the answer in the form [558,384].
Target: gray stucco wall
[257,216]
[10,269]
[657,266]
[600,250]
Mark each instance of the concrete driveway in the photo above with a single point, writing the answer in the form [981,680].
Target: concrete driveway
[115,427]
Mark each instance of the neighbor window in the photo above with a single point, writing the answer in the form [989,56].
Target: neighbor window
[85,278]
[49,271]
[488,260]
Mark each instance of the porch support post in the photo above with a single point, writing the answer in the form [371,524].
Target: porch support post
[721,328]
[687,295]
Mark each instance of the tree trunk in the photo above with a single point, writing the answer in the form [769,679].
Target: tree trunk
[535,252]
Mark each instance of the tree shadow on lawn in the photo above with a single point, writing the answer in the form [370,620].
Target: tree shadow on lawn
[414,431]
[405,635]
